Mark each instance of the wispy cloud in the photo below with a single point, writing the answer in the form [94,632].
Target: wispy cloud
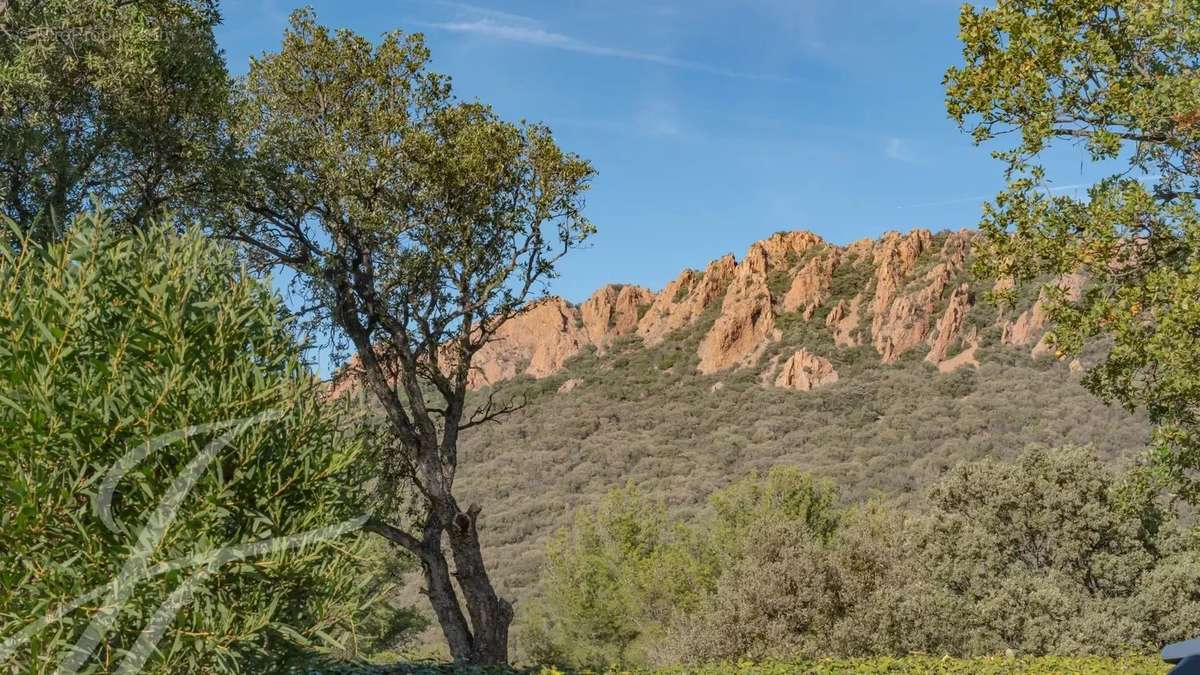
[477,11]
[524,30]
[899,149]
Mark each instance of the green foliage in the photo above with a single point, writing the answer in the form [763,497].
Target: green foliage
[1121,78]
[617,579]
[785,494]
[366,143]
[123,102]
[851,278]
[108,342]
[414,225]
[1051,554]
[929,665]
[612,581]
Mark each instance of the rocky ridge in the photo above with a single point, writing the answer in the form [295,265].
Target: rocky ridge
[899,293]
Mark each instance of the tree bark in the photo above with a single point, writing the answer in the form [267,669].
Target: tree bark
[444,600]
[484,640]
[490,614]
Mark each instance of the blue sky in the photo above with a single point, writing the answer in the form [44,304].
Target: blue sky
[712,123]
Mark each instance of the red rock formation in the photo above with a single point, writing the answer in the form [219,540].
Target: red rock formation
[843,320]
[810,287]
[903,311]
[949,328]
[805,371]
[747,320]
[536,342]
[613,311]
[895,259]
[781,246]
[1029,326]
[964,358]
[683,300]
[909,281]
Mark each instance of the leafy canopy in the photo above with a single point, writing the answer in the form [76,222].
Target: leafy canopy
[120,101]
[417,224]
[624,572]
[1120,80]
[1053,553]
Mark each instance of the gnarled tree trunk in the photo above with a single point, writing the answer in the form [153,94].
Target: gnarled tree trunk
[481,639]
[490,614]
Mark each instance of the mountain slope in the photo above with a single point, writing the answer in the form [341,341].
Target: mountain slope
[877,365]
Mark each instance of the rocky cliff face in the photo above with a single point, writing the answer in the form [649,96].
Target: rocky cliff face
[535,343]
[802,371]
[898,294]
[613,311]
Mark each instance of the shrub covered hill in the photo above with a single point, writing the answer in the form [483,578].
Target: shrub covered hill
[877,365]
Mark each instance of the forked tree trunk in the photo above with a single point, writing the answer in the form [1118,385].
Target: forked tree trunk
[443,599]
[479,637]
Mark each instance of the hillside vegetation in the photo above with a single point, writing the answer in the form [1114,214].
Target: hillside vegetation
[643,414]
[1053,553]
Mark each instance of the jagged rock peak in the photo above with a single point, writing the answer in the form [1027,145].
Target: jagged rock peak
[897,293]
[613,311]
[686,298]
[536,342]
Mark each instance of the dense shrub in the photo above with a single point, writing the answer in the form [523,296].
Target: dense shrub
[909,665]
[1050,554]
[108,343]
[613,581]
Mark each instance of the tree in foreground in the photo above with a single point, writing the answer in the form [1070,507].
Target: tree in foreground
[417,225]
[1122,80]
[108,343]
[117,101]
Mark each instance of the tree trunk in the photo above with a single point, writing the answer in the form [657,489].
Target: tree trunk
[484,641]
[440,589]
[490,614]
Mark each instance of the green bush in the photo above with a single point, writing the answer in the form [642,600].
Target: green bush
[929,665]
[612,583]
[1050,554]
[107,343]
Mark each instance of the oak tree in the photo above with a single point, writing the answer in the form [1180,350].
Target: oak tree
[1121,80]
[417,225]
[118,102]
